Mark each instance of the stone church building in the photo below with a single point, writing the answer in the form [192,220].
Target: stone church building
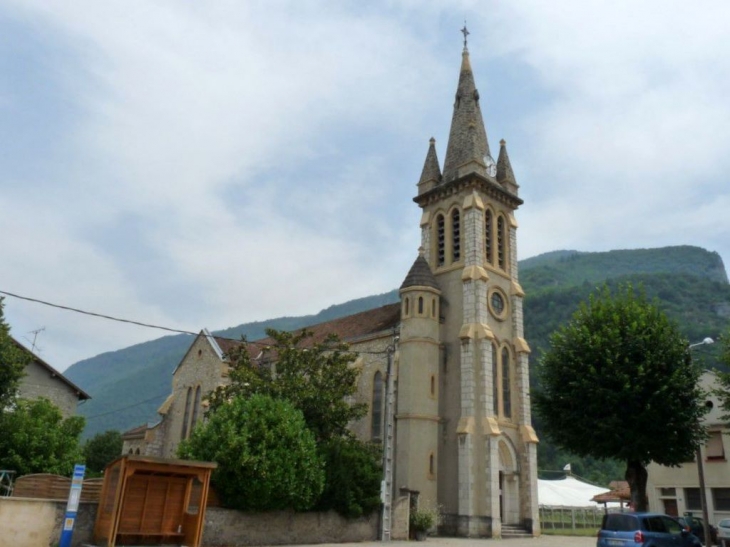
[462,435]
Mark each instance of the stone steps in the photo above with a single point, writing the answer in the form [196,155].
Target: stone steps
[514,531]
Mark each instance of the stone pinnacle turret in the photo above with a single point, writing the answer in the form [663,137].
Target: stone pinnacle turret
[505,175]
[431,174]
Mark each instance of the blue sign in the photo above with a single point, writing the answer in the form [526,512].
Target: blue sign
[72,507]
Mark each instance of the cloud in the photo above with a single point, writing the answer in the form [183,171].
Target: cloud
[205,165]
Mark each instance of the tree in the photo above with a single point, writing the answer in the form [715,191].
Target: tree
[13,359]
[267,458]
[101,449]
[618,382]
[353,475]
[37,439]
[723,376]
[316,378]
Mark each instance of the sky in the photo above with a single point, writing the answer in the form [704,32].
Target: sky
[193,164]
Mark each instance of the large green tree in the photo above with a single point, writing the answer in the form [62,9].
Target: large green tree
[101,449]
[13,361]
[618,382]
[35,438]
[267,458]
[316,377]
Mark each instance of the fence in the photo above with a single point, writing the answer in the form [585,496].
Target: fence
[54,487]
[570,518]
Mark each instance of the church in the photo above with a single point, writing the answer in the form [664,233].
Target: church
[444,371]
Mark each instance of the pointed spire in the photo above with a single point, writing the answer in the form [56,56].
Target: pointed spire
[431,174]
[420,274]
[465,151]
[505,175]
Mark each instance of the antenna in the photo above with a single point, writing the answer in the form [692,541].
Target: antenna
[35,335]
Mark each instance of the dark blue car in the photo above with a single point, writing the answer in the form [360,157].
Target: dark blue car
[644,530]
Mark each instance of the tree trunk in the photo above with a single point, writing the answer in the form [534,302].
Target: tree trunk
[637,476]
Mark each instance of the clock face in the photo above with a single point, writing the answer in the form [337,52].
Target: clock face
[491,165]
[497,303]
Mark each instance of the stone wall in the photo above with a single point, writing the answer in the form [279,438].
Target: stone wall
[229,528]
[38,382]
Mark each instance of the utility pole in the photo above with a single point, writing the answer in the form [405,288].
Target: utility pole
[388,445]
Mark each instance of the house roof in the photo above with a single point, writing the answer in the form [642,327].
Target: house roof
[80,393]
[135,433]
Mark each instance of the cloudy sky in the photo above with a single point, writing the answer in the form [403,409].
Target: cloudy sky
[206,164]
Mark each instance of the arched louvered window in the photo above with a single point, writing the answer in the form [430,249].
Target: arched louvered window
[455,235]
[186,415]
[420,305]
[488,236]
[506,384]
[501,243]
[376,425]
[440,240]
[196,407]
[495,380]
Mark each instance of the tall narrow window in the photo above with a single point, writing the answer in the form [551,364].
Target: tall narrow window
[433,385]
[376,426]
[186,415]
[488,236]
[440,240]
[196,406]
[430,464]
[506,384]
[495,380]
[407,306]
[500,242]
[420,305]
[456,236]
[433,307]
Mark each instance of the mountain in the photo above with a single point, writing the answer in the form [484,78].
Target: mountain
[690,283]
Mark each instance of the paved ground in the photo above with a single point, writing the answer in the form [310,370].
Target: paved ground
[543,541]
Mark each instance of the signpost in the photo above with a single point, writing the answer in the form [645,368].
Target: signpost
[74,497]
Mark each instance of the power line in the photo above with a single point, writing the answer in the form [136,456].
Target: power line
[152,326]
[126,407]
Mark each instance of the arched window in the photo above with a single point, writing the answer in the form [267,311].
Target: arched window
[501,252]
[488,236]
[186,415]
[456,236]
[131,451]
[376,425]
[196,406]
[407,306]
[440,240]
[420,305]
[506,384]
[495,380]
[137,452]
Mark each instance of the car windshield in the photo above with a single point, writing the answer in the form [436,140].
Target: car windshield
[725,523]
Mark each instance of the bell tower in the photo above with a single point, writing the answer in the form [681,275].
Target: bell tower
[486,446]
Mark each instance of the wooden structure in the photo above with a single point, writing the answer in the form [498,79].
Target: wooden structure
[148,500]
[54,487]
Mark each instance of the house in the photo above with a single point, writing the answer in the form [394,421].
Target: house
[676,490]
[42,380]
[463,438]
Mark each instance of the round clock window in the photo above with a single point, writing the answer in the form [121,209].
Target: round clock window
[497,303]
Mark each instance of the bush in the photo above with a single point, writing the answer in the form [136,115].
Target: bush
[267,458]
[352,477]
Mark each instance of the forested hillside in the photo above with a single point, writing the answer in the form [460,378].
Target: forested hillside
[690,284]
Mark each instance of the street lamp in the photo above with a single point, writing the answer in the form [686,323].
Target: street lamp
[701,468]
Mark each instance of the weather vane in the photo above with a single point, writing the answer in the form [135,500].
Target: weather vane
[465,32]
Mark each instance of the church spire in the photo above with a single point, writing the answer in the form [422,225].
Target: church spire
[431,174]
[505,175]
[468,146]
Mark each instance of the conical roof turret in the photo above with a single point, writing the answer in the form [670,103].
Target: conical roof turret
[505,175]
[468,145]
[431,174]
[420,274]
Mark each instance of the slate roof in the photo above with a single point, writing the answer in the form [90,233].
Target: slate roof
[431,169]
[504,167]
[420,275]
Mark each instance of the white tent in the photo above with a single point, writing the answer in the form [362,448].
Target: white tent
[567,492]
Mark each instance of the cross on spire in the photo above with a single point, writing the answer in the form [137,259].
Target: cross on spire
[466,33]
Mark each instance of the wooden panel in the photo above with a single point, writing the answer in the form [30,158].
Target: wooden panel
[55,487]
